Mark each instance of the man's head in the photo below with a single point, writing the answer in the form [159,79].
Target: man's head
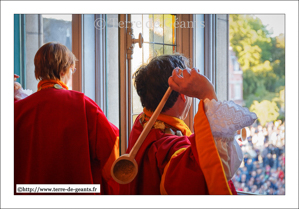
[151,80]
[53,61]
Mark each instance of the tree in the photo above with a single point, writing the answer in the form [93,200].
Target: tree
[261,58]
[278,58]
[250,40]
[266,111]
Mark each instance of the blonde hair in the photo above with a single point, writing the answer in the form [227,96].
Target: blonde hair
[51,60]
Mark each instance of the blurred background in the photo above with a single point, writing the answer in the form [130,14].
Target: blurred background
[257,81]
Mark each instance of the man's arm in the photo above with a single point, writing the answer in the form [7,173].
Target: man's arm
[192,84]
[196,169]
[196,85]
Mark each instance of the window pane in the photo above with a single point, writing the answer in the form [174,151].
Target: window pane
[169,49]
[134,118]
[148,28]
[158,49]
[137,57]
[112,79]
[148,50]
[158,29]
[137,52]
[169,29]
[137,107]
[88,56]
[58,28]
[136,25]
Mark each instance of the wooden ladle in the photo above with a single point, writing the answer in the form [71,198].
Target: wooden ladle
[125,168]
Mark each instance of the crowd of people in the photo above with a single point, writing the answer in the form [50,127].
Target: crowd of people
[263,168]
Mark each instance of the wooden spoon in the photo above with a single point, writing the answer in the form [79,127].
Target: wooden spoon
[125,168]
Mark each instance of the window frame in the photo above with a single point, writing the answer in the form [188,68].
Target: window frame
[183,38]
[77,31]
[215,64]
[20,48]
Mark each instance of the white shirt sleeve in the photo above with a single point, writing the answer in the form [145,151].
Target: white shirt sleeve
[22,93]
[225,119]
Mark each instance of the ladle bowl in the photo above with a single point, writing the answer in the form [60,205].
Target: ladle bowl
[124,169]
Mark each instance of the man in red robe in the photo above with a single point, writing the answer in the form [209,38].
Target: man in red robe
[62,136]
[172,160]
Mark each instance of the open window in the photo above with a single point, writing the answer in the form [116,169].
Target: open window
[104,72]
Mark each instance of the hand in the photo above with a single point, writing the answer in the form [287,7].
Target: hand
[192,84]
[16,76]
[16,84]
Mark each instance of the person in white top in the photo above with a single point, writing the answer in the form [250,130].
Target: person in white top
[19,92]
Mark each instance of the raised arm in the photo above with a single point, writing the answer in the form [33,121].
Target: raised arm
[224,118]
[192,84]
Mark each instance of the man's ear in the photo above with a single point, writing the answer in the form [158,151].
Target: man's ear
[183,97]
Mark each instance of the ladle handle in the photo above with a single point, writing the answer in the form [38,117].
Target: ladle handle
[149,124]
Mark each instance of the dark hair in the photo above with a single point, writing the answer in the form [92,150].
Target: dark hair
[151,80]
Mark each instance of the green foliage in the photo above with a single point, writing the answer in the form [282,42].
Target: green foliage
[278,55]
[266,111]
[260,95]
[262,60]
[249,40]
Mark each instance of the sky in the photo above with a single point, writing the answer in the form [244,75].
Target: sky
[275,23]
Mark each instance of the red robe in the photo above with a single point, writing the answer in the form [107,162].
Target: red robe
[63,137]
[178,165]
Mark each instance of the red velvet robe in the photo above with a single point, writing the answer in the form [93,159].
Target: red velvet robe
[63,137]
[178,165]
